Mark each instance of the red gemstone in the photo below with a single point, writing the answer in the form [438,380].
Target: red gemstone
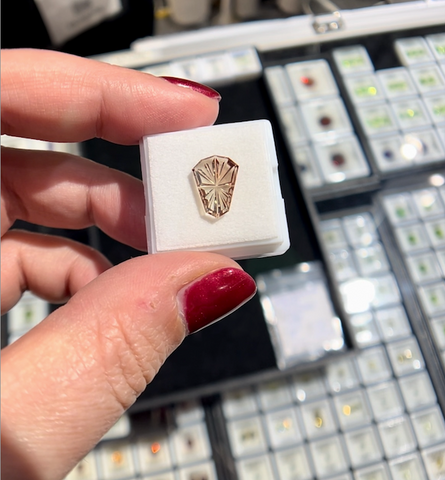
[338,159]
[308,81]
[325,121]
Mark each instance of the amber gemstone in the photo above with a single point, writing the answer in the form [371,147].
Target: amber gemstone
[215,179]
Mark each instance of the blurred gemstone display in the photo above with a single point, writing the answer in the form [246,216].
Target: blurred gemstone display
[215,179]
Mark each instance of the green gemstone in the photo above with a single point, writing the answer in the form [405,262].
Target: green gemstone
[398,86]
[379,122]
[29,314]
[415,53]
[353,62]
[428,81]
[401,212]
[412,239]
[439,110]
[439,233]
[434,299]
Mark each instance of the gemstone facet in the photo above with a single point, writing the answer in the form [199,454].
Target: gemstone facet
[215,179]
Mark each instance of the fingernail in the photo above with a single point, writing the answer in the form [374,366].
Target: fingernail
[213,296]
[198,87]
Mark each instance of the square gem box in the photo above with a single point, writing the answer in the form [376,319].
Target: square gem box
[208,209]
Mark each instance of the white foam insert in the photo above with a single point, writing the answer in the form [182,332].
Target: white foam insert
[255,225]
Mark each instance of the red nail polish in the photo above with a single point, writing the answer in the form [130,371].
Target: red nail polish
[198,87]
[214,296]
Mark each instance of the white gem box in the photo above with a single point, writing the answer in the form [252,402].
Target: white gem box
[255,224]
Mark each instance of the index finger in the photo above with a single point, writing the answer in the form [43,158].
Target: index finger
[62,98]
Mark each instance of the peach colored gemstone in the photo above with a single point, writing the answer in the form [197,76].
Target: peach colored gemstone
[215,179]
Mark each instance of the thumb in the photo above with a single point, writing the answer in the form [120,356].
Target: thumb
[69,379]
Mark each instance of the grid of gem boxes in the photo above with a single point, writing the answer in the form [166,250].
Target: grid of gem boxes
[179,452]
[401,111]
[372,416]
[418,219]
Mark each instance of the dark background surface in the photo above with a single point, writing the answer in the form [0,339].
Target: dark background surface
[22,26]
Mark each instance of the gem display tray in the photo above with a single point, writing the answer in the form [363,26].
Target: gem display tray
[375,414]
[390,109]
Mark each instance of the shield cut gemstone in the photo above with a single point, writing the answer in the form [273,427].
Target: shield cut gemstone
[215,179]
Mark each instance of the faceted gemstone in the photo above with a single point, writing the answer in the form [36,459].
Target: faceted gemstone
[338,159]
[308,81]
[325,121]
[388,154]
[215,179]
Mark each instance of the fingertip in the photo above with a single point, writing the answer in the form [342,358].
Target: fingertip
[213,296]
[197,87]
[75,99]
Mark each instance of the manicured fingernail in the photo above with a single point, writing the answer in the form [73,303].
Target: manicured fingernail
[213,296]
[198,87]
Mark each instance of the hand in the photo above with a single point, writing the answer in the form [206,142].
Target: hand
[67,381]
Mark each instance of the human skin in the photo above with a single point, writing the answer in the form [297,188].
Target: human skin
[67,381]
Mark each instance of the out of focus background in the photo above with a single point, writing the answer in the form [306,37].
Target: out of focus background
[90,27]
